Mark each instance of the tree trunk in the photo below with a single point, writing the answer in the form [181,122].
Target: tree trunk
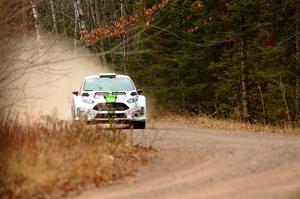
[79,15]
[112,13]
[36,18]
[64,25]
[76,26]
[297,91]
[138,34]
[53,17]
[123,36]
[262,103]
[97,11]
[92,11]
[245,114]
[282,88]
[76,17]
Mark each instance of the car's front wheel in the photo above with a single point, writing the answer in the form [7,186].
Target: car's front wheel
[139,125]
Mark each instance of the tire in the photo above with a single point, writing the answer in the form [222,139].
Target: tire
[139,125]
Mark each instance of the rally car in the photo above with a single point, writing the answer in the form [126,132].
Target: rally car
[109,98]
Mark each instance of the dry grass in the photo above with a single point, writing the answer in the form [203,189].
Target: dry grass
[208,122]
[294,195]
[51,158]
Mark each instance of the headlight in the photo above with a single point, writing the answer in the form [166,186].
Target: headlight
[132,100]
[87,101]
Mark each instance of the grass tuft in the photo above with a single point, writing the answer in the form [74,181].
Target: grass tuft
[52,158]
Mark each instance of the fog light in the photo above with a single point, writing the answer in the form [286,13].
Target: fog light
[139,112]
[142,111]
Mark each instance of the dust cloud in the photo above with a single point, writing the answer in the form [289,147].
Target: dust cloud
[45,73]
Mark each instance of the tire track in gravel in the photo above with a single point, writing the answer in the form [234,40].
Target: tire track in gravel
[195,162]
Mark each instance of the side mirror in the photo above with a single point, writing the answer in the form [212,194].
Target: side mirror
[140,91]
[85,94]
[133,94]
[75,93]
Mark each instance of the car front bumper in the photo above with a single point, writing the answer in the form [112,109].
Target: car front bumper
[132,114]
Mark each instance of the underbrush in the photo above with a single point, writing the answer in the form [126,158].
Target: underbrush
[209,122]
[50,158]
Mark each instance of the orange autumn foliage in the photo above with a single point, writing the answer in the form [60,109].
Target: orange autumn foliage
[122,25]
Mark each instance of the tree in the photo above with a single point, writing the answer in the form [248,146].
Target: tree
[233,59]
[53,16]
[37,19]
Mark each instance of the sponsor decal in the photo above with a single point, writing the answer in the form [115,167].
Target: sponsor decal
[110,98]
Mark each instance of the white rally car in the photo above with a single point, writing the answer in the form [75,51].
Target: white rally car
[109,98]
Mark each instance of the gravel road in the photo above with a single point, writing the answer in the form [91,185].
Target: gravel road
[195,162]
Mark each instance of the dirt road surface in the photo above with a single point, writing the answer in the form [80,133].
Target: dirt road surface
[195,162]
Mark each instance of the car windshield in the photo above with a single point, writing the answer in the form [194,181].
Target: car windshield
[108,84]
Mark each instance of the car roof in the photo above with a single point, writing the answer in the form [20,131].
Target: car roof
[103,74]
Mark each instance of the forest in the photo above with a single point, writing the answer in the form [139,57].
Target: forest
[237,59]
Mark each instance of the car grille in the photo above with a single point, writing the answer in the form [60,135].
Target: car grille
[113,115]
[107,93]
[102,93]
[111,107]
[118,93]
